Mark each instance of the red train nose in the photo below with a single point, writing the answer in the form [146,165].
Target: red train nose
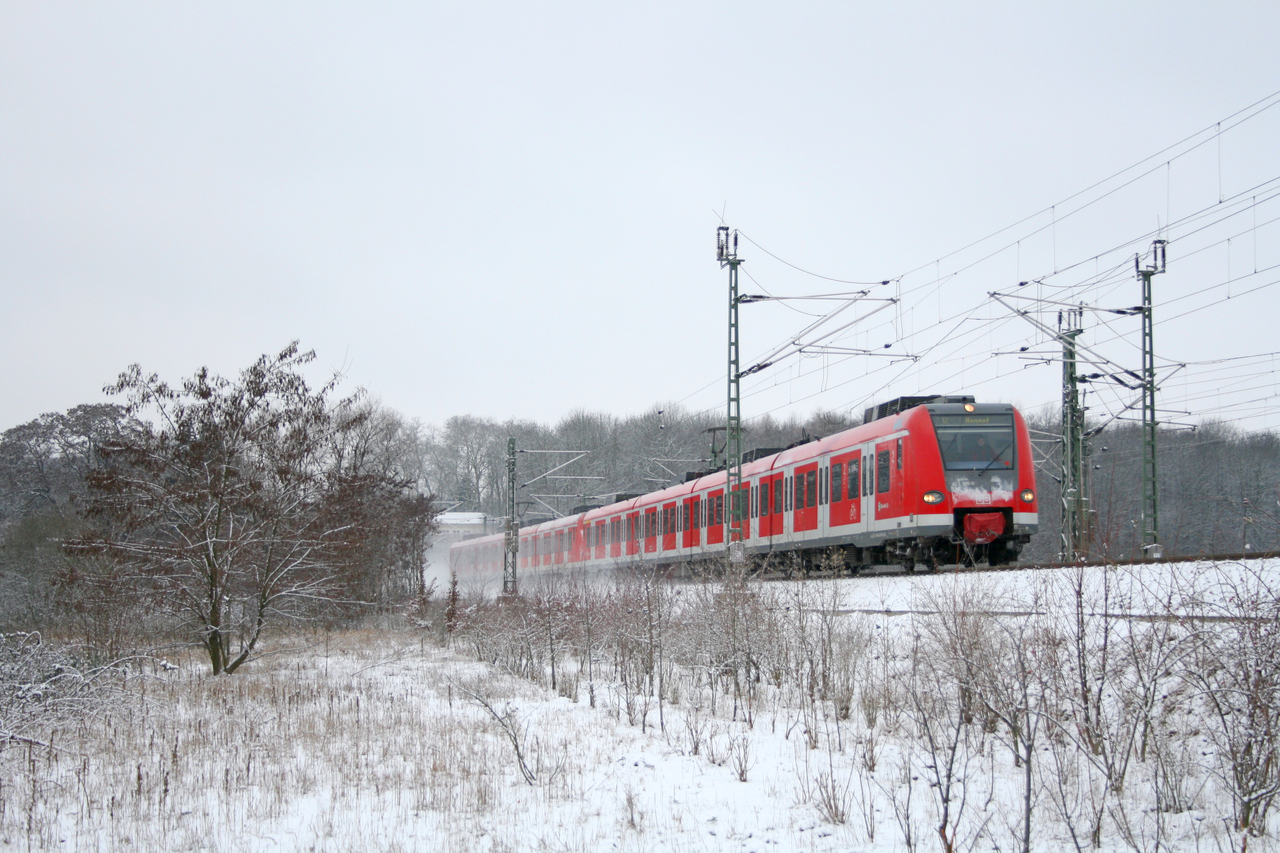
[983,528]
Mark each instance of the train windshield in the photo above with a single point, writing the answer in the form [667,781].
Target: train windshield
[975,442]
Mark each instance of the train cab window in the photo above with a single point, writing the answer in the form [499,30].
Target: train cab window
[882,472]
[837,482]
[975,442]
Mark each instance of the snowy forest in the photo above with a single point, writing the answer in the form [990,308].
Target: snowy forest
[1219,490]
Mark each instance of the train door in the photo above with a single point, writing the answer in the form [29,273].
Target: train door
[632,530]
[715,518]
[888,477]
[805,514]
[669,527]
[689,512]
[777,517]
[744,498]
[868,501]
[844,492]
[764,507]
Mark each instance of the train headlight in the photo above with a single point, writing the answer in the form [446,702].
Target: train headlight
[1027,496]
[969,407]
[933,497]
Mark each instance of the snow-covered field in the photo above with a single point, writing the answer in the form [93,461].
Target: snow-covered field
[721,716]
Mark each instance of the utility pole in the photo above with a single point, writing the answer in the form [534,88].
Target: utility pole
[728,257]
[1150,482]
[1074,496]
[511,542]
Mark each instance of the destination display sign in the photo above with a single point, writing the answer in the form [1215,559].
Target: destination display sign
[973,420]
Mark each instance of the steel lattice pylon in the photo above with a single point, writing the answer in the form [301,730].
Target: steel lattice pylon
[1150,479]
[734,498]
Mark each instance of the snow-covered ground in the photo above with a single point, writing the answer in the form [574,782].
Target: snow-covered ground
[384,740]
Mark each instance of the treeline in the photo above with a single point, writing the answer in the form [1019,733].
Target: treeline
[356,485]
[1219,490]
[466,458]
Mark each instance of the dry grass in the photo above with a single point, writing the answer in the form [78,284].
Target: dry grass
[301,745]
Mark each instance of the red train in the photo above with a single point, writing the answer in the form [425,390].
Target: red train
[926,480]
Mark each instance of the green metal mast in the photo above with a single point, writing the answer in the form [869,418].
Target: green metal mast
[734,500]
[511,541]
[1150,481]
[1074,496]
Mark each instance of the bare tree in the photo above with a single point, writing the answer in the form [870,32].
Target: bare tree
[223,508]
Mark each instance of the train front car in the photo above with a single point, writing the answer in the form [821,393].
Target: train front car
[975,483]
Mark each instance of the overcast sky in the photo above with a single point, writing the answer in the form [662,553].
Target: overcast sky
[509,210]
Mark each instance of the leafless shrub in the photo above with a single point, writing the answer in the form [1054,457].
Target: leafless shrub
[1236,669]
[901,791]
[864,800]
[715,750]
[870,752]
[41,686]
[695,725]
[635,817]
[526,746]
[832,797]
[946,752]
[740,756]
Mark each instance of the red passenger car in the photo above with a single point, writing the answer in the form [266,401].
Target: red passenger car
[928,481]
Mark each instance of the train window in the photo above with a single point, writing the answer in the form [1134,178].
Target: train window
[790,481]
[811,489]
[763,500]
[837,482]
[866,477]
[777,495]
[899,454]
[975,442]
[854,477]
[882,472]
[824,484]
